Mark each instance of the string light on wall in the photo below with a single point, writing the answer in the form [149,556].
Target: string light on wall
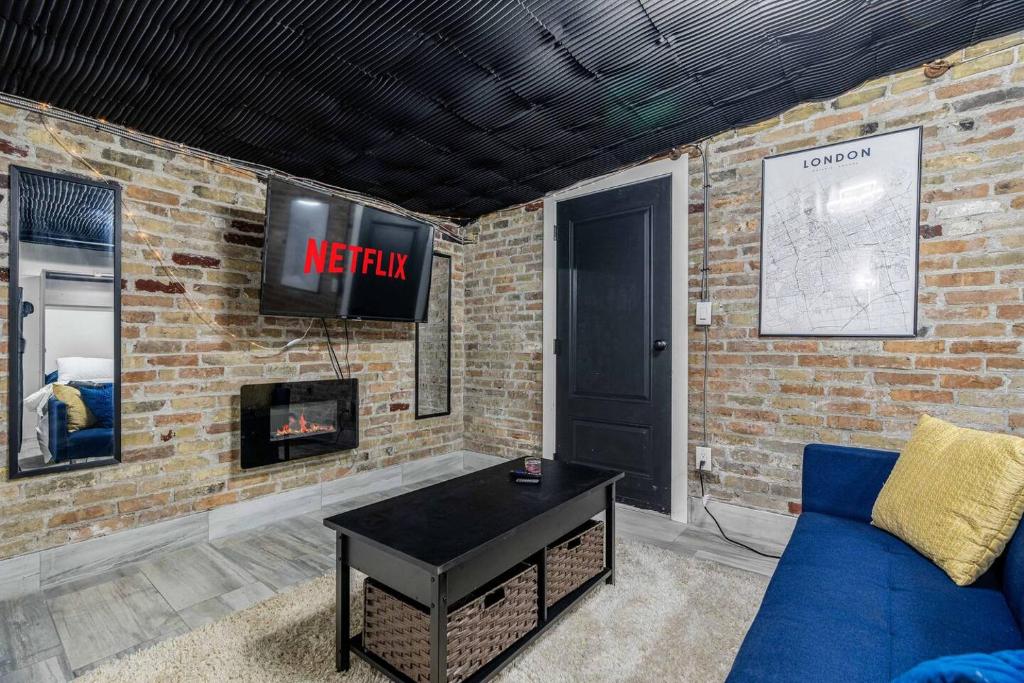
[168,270]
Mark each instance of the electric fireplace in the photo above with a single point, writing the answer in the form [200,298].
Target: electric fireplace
[290,420]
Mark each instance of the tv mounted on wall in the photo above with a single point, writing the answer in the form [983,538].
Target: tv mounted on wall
[328,257]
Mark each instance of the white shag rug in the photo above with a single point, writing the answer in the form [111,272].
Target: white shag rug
[668,618]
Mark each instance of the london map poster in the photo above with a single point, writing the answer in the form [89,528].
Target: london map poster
[839,239]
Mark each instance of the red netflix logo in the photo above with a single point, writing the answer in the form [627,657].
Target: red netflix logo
[323,256]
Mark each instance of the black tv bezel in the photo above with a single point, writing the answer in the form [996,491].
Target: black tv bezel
[293,314]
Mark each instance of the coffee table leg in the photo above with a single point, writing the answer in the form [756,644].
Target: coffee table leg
[541,558]
[439,630]
[609,531]
[342,625]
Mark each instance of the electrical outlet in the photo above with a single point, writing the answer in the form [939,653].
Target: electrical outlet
[704,455]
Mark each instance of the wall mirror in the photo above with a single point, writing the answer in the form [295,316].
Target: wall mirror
[434,345]
[65,339]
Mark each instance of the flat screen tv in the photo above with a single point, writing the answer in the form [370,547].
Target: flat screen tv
[328,257]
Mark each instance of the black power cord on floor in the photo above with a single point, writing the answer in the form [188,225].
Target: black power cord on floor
[700,473]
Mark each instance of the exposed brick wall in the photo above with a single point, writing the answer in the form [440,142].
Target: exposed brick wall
[181,378]
[504,333]
[768,398]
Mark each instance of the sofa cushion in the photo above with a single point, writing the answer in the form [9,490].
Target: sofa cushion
[850,602]
[939,621]
[844,481]
[99,399]
[90,443]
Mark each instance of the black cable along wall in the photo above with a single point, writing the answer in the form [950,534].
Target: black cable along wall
[461,108]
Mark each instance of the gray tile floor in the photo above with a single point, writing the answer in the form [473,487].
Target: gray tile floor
[62,632]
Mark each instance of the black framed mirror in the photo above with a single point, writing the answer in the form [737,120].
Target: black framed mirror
[64,403]
[434,345]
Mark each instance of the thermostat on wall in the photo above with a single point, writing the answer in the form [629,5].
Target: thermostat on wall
[703,313]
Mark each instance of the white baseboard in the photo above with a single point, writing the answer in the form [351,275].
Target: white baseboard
[471,460]
[19,575]
[769,529]
[96,555]
[251,514]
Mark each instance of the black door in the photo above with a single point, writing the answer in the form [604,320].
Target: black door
[614,325]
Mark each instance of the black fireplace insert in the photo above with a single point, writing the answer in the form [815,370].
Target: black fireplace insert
[290,420]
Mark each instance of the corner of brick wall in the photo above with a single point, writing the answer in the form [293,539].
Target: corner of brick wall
[504,333]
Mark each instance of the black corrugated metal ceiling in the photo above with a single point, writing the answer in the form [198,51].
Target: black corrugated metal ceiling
[460,108]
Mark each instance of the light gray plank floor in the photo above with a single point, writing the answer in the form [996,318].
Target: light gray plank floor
[107,614]
[50,670]
[74,627]
[27,633]
[195,574]
[659,530]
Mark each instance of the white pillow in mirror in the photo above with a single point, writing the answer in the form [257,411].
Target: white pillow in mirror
[77,369]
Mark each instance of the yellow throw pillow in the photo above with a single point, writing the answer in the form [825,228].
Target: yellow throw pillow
[955,495]
[79,415]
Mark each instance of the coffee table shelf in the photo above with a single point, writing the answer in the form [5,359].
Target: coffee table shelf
[491,669]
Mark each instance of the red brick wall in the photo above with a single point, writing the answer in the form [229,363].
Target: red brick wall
[181,377]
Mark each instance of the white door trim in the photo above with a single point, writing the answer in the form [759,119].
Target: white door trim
[677,169]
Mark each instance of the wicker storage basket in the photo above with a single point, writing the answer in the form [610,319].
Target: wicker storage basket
[573,560]
[491,620]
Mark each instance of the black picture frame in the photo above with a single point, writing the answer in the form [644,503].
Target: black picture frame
[14,405]
[416,363]
[917,245]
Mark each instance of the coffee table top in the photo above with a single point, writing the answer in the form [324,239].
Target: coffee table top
[438,525]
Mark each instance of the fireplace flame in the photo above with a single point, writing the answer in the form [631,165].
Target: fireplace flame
[303,426]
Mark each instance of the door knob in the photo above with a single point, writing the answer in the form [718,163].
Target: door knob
[660,344]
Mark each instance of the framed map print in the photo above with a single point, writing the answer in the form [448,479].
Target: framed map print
[839,239]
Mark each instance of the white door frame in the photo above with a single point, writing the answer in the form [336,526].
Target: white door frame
[677,170]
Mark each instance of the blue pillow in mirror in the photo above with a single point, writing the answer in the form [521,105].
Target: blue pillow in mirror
[99,398]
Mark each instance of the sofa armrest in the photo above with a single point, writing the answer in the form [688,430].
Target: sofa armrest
[844,481]
[57,428]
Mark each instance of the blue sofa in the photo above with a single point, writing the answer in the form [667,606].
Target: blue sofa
[94,442]
[850,602]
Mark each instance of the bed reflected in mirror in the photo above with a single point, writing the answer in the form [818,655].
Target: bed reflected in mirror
[65,323]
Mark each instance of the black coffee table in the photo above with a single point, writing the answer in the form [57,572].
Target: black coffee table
[440,543]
